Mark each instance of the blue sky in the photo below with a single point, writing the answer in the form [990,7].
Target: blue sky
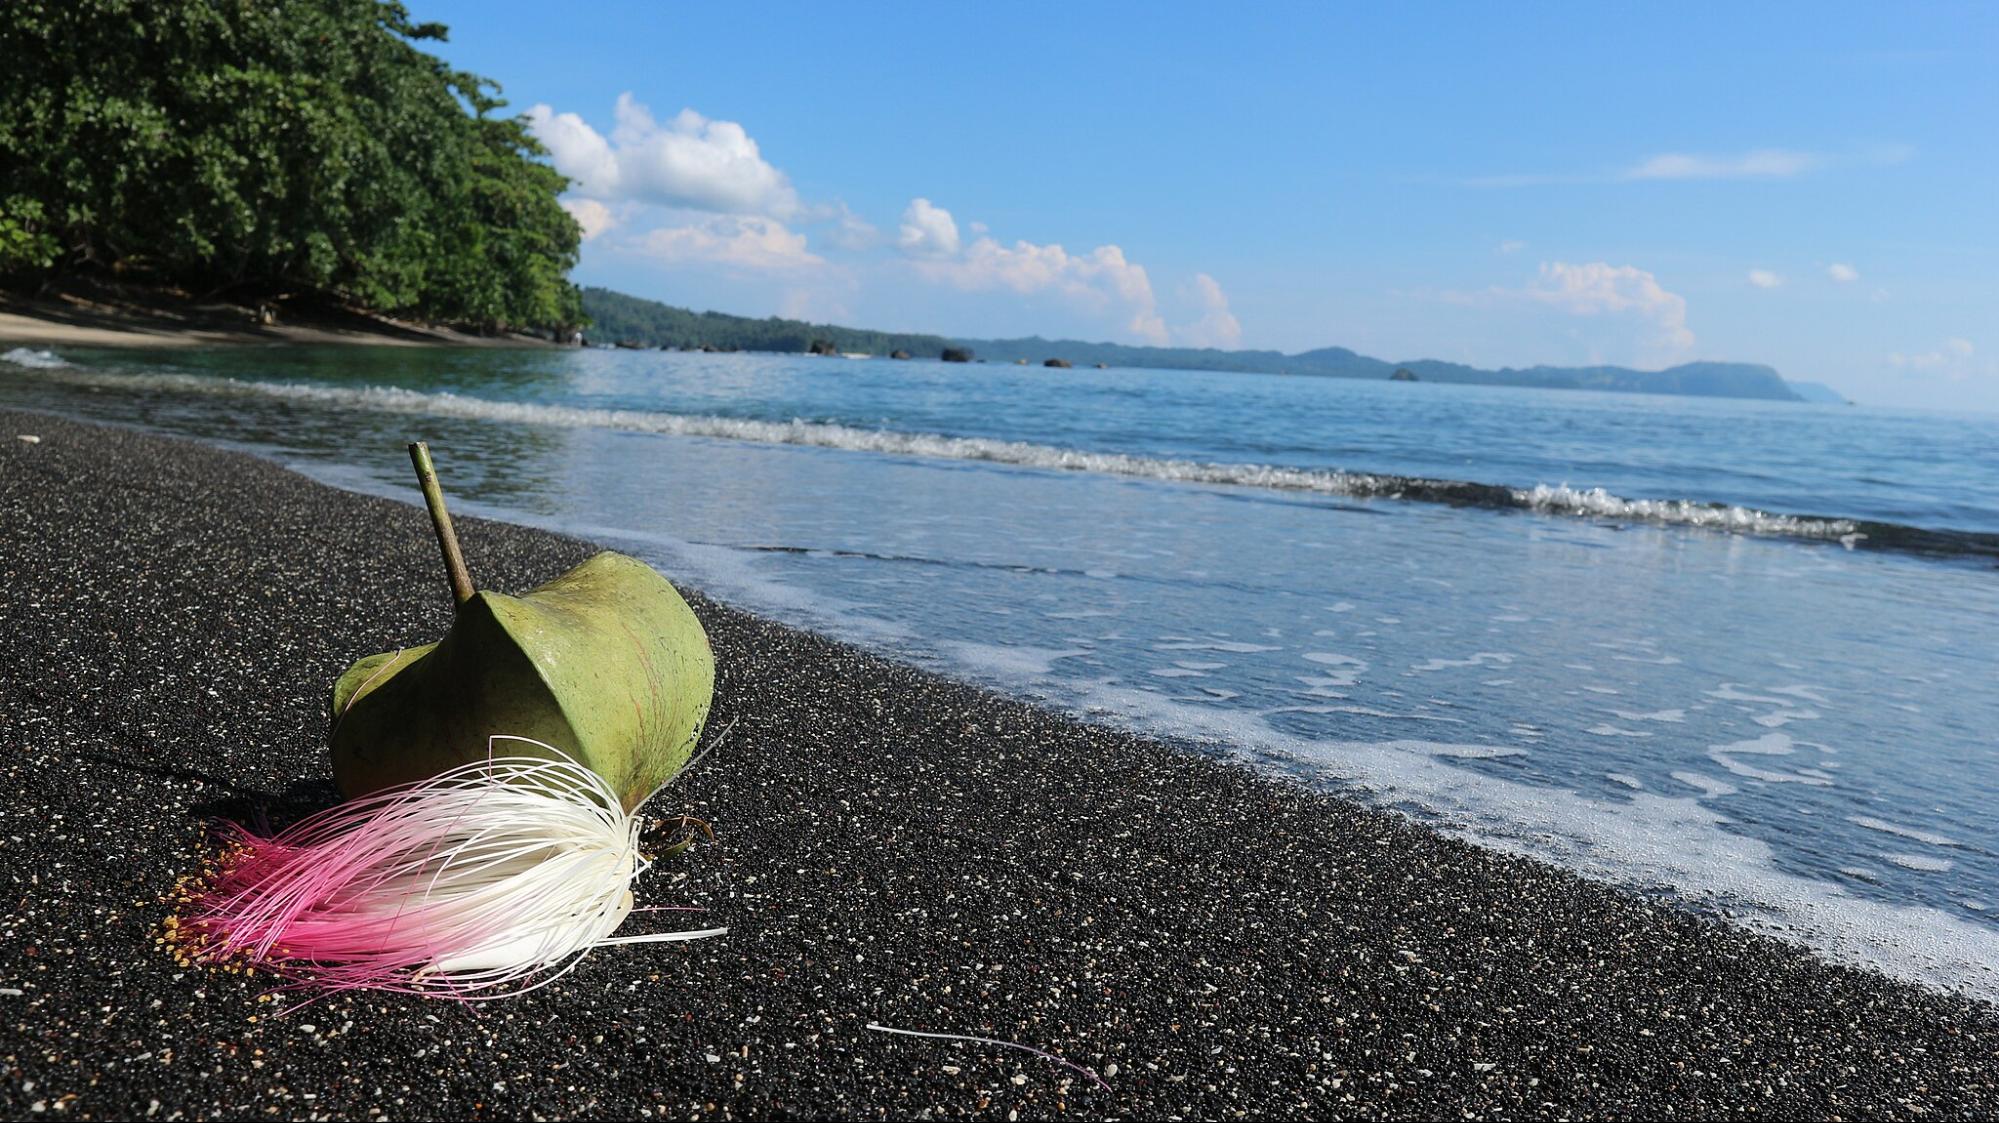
[1811,186]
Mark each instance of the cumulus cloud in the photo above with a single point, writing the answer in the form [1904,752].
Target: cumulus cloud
[577,151]
[1843,273]
[1217,326]
[743,241]
[1599,288]
[1101,280]
[927,230]
[593,216]
[1765,279]
[689,161]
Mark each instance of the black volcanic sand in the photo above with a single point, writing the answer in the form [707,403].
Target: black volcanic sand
[891,847]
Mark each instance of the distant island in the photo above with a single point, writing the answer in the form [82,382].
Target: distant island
[1819,392]
[633,321]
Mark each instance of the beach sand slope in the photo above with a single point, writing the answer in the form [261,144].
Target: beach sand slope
[891,847]
[158,320]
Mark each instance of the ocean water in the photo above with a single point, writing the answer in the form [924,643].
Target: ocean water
[1742,654]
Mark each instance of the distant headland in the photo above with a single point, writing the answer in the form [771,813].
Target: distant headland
[633,321]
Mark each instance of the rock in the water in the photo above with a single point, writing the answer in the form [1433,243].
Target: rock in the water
[823,347]
[898,354]
[956,355]
[1060,364]
[1404,374]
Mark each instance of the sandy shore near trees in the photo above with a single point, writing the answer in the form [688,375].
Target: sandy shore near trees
[162,320]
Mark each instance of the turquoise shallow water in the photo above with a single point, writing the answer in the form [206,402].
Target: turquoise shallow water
[1696,679]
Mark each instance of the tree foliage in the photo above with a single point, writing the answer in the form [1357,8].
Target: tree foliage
[270,146]
[622,318]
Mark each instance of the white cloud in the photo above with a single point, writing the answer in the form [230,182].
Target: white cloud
[1765,279]
[1101,278]
[645,178]
[577,151]
[690,161]
[1512,246]
[593,216]
[1217,326]
[1760,163]
[927,230]
[1099,281]
[1843,273]
[1763,163]
[1952,360]
[1102,281]
[851,231]
[1598,288]
[744,241]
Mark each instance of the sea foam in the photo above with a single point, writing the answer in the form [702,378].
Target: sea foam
[34,360]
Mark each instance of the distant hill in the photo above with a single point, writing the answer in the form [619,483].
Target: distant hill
[1816,392]
[620,318]
[617,318]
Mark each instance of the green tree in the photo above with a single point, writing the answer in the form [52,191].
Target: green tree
[260,148]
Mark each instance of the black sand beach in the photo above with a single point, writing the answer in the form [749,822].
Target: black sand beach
[891,847]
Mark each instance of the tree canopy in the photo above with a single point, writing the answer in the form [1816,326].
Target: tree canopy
[278,146]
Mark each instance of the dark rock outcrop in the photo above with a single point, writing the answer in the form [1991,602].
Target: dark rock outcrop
[822,347]
[1059,364]
[956,355]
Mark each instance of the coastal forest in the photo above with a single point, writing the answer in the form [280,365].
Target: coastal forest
[285,149]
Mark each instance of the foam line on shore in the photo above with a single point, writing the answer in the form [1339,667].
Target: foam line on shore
[1646,841]
[1668,844]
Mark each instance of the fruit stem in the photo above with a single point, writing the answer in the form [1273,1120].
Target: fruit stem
[440,520]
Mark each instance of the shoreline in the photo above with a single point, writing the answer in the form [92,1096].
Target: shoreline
[152,319]
[893,847]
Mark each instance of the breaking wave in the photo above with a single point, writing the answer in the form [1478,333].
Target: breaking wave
[1558,500]
[34,360]
[1598,503]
